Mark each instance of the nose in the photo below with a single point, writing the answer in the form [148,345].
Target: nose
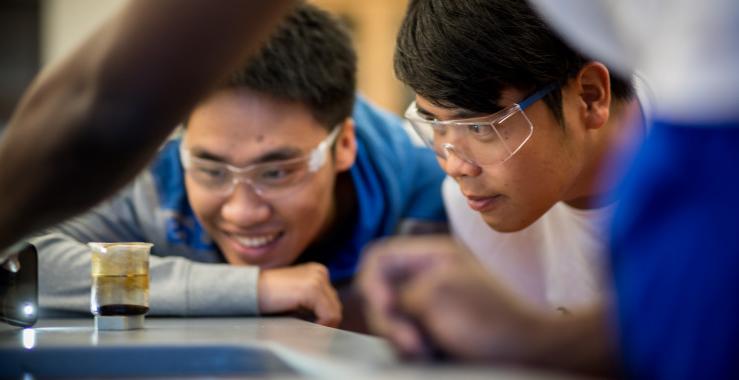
[456,166]
[244,207]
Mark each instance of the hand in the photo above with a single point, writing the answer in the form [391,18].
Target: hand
[300,287]
[428,291]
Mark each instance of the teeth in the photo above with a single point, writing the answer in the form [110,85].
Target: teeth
[255,241]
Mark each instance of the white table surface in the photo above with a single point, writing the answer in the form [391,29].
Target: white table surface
[69,346]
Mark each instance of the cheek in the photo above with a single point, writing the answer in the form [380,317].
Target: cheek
[536,181]
[442,163]
[308,209]
[206,207]
[525,198]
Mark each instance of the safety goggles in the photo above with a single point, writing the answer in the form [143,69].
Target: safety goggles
[482,140]
[268,180]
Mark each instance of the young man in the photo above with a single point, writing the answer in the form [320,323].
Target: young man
[522,125]
[273,170]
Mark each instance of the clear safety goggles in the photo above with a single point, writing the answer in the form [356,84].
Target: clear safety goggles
[268,180]
[482,140]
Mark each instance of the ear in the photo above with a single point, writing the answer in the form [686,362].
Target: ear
[346,146]
[594,88]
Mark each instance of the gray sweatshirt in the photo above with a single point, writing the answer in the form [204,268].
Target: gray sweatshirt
[183,281]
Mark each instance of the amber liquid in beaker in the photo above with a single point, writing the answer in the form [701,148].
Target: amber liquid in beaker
[120,279]
[120,295]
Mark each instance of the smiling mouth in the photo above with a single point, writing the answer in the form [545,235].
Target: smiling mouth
[256,241]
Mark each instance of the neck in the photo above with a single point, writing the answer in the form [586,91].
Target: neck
[612,149]
[341,221]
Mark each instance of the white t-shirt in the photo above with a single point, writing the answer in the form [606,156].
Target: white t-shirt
[557,263]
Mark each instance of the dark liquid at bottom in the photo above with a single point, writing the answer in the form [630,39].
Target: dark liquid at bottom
[122,310]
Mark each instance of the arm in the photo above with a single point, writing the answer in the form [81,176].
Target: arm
[178,284]
[96,117]
[183,287]
[427,294]
[584,342]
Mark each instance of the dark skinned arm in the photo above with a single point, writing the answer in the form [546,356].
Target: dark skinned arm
[90,122]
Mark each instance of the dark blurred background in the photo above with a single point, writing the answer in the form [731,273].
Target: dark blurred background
[19,51]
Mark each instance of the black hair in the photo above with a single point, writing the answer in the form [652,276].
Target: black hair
[308,59]
[463,53]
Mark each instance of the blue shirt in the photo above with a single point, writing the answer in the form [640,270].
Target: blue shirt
[676,255]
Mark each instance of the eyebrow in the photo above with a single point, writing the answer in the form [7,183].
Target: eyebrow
[279,154]
[457,113]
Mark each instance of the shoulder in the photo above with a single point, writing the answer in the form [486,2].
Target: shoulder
[382,131]
[367,114]
[167,175]
[374,126]
[384,139]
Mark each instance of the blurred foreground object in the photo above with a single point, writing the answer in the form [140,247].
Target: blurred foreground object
[687,50]
[95,118]
[675,247]
[19,286]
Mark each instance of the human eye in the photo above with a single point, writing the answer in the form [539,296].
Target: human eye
[439,129]
[480,129]
[210,173]
[276,175]
[481,132]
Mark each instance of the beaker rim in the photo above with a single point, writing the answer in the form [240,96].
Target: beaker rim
[112,244]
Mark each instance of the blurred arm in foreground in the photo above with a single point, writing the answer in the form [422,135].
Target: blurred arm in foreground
[95,118]
[474,317]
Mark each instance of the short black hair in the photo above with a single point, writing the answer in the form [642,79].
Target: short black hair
[463,53]
[308,59]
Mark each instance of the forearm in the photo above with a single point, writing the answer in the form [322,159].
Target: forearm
[64,273]
[584,342]
[94,119]
[177,286]
[185,288]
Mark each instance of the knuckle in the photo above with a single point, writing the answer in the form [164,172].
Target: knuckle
[317,283]
[319,272]
[320,269]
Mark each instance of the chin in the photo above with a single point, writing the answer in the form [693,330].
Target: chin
[273,262]
[504,225]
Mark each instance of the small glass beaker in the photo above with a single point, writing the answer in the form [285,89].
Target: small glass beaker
[120,285]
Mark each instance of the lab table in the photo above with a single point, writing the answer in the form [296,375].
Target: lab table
[258,347]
